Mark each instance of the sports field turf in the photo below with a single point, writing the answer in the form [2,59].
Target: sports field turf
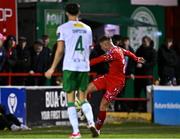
[125,130]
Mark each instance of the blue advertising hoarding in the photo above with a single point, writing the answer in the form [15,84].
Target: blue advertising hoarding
[14,100]
[166,105]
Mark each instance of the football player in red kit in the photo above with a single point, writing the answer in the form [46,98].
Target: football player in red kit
[114,81]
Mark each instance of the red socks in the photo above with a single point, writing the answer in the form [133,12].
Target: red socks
[100,119]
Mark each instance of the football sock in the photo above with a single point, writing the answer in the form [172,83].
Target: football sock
[87,110]
[73,118]
[100,119]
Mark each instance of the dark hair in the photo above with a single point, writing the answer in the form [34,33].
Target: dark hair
[23,39]
[45,36]
[146,37]
[9,37]
[104,38]
[39,42]
[116,38]
[72,8]
[169,40]
[125,39]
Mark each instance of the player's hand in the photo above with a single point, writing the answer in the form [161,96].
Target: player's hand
[31,72]
[132,76]
[139,65]
[49,73]
[141,60]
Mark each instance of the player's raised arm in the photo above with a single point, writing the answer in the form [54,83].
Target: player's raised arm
[130,54]
[133,56]
[103,58]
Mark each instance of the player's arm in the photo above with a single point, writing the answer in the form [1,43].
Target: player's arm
[133,56]
[58,55]
[103,58]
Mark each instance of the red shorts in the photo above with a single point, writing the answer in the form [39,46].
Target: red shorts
[111,85]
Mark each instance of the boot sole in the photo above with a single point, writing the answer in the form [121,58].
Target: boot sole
[94,132]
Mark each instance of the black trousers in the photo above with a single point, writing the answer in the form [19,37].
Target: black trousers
[118,105]
[166,80]
[7,120]
[95,101]
[139,87]
[177,79]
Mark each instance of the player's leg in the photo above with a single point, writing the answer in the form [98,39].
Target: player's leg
[90,89]
[86,107]
[97,84]
[87,110]
[102,113]
[72,113]
[107,98]
[69,86]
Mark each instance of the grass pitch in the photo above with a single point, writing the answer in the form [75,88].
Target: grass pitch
[124,130]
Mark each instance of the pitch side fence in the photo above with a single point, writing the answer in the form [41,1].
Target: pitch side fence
[41,105]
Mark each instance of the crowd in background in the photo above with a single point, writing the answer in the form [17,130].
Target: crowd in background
[167,58]
[22,58]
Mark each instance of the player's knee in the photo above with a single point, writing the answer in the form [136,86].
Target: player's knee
[103,108]
[90,88]
[104,105]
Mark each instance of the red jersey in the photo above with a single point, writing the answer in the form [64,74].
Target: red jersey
[116,59]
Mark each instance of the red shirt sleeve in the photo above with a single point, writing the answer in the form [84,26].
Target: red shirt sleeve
[103,58]
[130,54]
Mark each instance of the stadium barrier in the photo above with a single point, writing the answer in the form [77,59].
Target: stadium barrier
[166,105]
[10,75]
[14,100]
[35,105]
[38,106]
[149,108]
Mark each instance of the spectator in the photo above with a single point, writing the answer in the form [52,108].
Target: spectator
[166,63]
[11,54]
[45,39]
[130,64]
[10,121]
[56,80]
[40,62]
[23,61]
[129,71]
[2,57]
[177,69]
[117,40]
[146,51]
[101,68]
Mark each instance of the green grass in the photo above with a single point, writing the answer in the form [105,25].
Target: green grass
[125,130]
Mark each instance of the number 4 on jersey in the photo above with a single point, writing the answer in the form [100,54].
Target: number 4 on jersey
[79,45]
